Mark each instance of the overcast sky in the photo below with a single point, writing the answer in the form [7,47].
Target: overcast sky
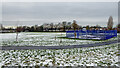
[59,0]
[32,13]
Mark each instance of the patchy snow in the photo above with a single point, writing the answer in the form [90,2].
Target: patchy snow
[93,56]
[40,39]
[87,37]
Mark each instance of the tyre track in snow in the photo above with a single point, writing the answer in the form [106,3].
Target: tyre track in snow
[58,47]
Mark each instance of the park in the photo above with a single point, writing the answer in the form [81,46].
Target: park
[59,34]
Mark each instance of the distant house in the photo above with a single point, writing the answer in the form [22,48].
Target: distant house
[46,27]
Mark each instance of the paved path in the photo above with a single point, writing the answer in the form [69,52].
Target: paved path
[57,47]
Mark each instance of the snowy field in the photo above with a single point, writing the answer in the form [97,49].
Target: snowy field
[40,39]
[93,56]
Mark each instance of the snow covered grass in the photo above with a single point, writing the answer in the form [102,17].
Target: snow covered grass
[93,56]
[41,39]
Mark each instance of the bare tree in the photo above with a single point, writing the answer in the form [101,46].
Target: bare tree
[75,26]
[110,23]
[51,25]
[18,29]
[64,25]
[68,26]
[87,27]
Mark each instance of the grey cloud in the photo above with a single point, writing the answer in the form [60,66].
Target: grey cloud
[86,13]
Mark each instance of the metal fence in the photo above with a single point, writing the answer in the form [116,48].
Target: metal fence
[92,34]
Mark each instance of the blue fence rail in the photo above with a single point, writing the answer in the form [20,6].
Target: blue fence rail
[92,34]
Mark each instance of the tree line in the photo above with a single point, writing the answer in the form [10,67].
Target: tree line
[64,26]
